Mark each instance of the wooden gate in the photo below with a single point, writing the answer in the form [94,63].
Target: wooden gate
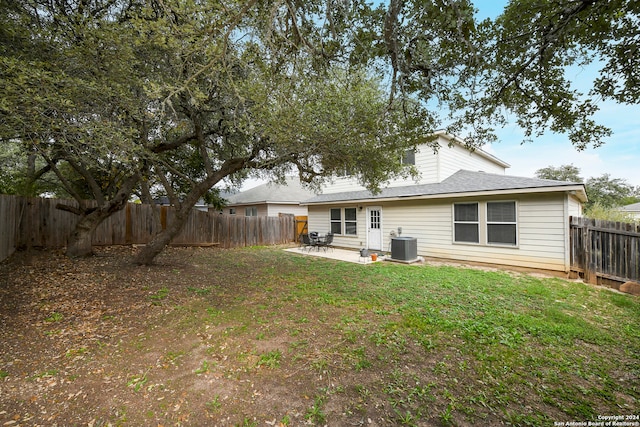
[302,226]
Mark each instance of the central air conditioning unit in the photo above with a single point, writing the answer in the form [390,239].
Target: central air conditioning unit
[404,249]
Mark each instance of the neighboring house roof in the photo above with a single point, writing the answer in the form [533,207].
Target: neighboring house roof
[291,193]
[459,184]
[634,207]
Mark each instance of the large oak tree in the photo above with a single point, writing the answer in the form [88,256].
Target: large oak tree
[73,94]
[114,95]
[273,96]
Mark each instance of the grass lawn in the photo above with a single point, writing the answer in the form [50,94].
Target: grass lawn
[259,336]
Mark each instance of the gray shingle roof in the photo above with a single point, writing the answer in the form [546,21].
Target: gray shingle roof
[292,192]
[634,207]
[462,181]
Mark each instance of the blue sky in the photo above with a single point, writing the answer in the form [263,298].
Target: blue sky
[619,156]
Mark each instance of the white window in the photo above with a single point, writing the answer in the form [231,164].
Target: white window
[501,223]
[466,223]
[344,173]
[409,157]
[344,221]
[350,224]
[251,211]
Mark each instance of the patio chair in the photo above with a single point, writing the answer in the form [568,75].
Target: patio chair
[326,243]
[314,237]
[308,242]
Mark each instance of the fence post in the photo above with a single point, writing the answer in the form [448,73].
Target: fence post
[589,265]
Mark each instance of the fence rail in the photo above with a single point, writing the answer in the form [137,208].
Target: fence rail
[35,222]
[605,250]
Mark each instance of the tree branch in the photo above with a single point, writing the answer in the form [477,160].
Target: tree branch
[168,146]
[89,178]
[549,37]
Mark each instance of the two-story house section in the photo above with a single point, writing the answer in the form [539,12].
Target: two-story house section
[463,207]
[432,166]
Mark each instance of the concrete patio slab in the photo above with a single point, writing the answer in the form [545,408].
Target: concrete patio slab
[337,254]
[352,255]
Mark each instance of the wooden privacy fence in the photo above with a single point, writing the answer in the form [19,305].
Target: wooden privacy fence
[605,250]
[35,222]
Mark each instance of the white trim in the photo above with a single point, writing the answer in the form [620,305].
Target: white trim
[263,203]
[483,224]
[343,221]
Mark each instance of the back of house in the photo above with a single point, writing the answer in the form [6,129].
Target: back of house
[462,207]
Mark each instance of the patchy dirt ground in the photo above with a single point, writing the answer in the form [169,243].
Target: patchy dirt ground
[99,341]
[79,348]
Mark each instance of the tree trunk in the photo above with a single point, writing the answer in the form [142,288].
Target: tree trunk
[79,244]
[162,239]
[152,249]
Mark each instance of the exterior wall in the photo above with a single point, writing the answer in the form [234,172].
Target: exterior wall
[634,214]
[269,209]
[542,230]
[240,209]
[575,206]
[274,209]
[319,221]
[632,210]
[432,167]
[452,159]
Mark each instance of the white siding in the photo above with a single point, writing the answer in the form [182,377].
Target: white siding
[269,209]
[262,209]
[542,230]
[274,209]
[575,206]
[340,185]
[458,157]
[432,167]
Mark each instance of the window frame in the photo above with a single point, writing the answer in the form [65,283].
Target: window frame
[484,224]
[466,222]
[408,157]
[513,223]
[251,211]
[352,222]
[345,224]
